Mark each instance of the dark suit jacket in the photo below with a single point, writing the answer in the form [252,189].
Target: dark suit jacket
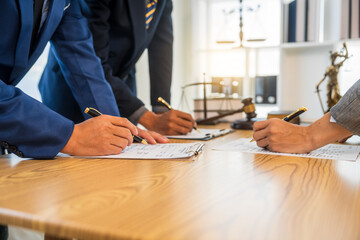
[27,127]
[120,38]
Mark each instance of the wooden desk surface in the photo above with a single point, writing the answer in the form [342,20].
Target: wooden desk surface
[220,195]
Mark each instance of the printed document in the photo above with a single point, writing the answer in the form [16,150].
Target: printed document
[205,134]
[330,151]
[157,151]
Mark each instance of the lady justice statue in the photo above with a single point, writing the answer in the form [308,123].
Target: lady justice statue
[333,92]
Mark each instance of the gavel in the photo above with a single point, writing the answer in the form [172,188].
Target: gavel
[248,108]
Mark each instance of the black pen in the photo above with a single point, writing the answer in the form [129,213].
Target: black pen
[94,113]
[291,116]
[161,100]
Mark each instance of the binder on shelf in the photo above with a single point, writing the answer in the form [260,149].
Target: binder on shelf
[292,22]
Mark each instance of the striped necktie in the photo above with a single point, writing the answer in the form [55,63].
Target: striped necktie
[150,10]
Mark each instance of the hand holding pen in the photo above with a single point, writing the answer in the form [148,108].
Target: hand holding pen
[103,135]
[291,116]
[279,135]
[95,113]
[185,115]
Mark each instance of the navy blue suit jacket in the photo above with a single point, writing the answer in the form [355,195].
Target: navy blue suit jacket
[120,38]
[27,127]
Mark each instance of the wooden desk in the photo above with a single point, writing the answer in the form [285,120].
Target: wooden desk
[220,195]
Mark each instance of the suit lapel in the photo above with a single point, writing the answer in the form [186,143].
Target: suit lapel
[22,59]
[56,9]
[23,43]
[137,15]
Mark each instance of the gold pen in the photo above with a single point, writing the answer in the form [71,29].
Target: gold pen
[94,113]
[161,100]
[291,116]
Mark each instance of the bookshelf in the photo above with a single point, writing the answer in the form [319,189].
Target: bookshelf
[298,65]
[303,64]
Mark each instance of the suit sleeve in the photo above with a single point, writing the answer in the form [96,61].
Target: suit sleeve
[100,11]
[28,128]
[160,53]
[73,48]
[347,111]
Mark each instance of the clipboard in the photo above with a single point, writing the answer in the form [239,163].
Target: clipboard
[155,152]
[205,134]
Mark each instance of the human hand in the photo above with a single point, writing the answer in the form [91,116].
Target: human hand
[173,122]
[102,135]
[343,140]
[152,137]
[280,136]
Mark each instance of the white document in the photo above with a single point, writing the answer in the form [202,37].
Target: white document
[157,151]
[205,134]
[330,151]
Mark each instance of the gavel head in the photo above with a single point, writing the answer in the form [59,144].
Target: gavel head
[249,108]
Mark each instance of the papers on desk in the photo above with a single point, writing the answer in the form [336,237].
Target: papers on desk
[330,151]
[158,151]
[205,134]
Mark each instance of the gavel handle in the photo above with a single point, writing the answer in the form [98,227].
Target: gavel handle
[203,121]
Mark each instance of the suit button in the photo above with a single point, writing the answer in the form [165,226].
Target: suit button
[5,144]
[12,148]
[19,154]
[112,54]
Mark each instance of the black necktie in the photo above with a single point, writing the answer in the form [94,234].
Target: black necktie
[38,4]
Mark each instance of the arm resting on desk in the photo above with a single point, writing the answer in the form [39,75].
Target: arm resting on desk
[280,136]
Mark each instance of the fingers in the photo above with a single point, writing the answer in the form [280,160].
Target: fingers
[264,142]
[172,123]
[266,128]
[153,137]
[122,133]
[344,139]
[115,149]
[176,129]
[185,116]
[181,122]
[122,122]
[261,125]
[260,134]
[96,137]
[159,138]
[145,134]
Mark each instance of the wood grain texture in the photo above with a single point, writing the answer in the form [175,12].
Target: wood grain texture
[219,195]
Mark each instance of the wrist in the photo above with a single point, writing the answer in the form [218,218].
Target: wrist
[310,138]
[69,146]
[148,119]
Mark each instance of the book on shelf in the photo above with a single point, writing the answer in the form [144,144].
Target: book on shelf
[300,20]
[354,31]
[345,19]
[315,23]
[303,21]
[321,20]
[285,29]
[350,27]
[292,22]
